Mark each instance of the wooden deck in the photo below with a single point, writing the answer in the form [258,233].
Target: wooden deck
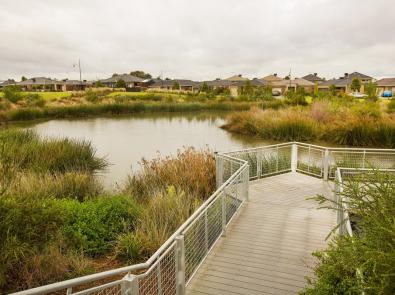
[267,248]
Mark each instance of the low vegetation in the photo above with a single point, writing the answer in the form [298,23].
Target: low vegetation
[337,121]
[58,222]
[20,106]
[364,263]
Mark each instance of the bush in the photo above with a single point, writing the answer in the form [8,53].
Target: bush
[94,225]
[27,226]
[12,93]
[34,99]
[370,198]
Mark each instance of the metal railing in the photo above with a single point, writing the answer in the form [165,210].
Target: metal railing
[172,266]
[314,160]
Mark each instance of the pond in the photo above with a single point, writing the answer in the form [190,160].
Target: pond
[124,141]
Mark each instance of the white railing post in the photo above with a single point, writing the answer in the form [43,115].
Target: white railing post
[180,265]
[326,165]
[206,230]
[246,183]
[223,209]
[219,170]
[259,164]
[130,285]
[294,157]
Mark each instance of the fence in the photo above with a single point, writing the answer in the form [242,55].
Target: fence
[314,160]
[173,265]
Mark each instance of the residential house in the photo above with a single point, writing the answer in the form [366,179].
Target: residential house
[130,81]
[286,85]
[314,78]
[386,84]
[235,84]
[271,78]
[236,78]
[343,83]
[183,85]
[39,84]
[7,83]
[73,85]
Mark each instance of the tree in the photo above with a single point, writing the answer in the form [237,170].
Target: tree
[23,78]
[141,74]
[176,85]
[371,90]
[114,75]
[332,89]
[248,90]
[355,84]
[120,84]
[204,87]
[99,84]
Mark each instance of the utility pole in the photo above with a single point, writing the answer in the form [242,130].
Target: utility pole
[79,68]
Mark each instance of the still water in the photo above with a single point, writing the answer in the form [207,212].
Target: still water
[124,141]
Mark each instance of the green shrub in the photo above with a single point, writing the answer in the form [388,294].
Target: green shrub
[129,247]
[371,198]
[391,106]
[12,93]
[94,225]
[27,226]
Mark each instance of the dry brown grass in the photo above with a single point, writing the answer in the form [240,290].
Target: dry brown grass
[190,171]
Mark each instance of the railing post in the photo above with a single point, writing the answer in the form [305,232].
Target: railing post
[247,183]
[180,265]
[223,207]
[363,159]
[130,285]
[219,170]
[259,164]
[294,157]
[69,291]
[326,165]
[206,230]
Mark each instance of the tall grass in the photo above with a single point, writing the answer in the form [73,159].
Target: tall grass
[362,124]
[190,171]
[29,152]
[116,108]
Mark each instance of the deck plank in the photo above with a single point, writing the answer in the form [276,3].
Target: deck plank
[268,246]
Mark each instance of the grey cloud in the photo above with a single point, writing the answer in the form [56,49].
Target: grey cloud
[196,39]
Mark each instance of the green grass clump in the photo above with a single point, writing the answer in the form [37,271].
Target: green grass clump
[371,250]
[30,152]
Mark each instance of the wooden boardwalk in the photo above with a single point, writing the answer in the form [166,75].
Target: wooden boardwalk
[268,246]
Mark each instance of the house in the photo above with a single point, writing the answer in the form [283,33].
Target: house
[314,78]
[130,81]
[236,78]
[286,85]
[235,84]
[183,85]
[7,83]
[39,84]
[387,85]
[343,83]
[271,78]
[73,85]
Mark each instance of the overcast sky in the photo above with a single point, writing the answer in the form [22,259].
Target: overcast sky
[196,39]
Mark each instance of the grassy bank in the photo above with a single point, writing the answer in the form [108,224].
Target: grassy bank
[370,250]
[338,122]
[59,223]
[21,106]
[91,110]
